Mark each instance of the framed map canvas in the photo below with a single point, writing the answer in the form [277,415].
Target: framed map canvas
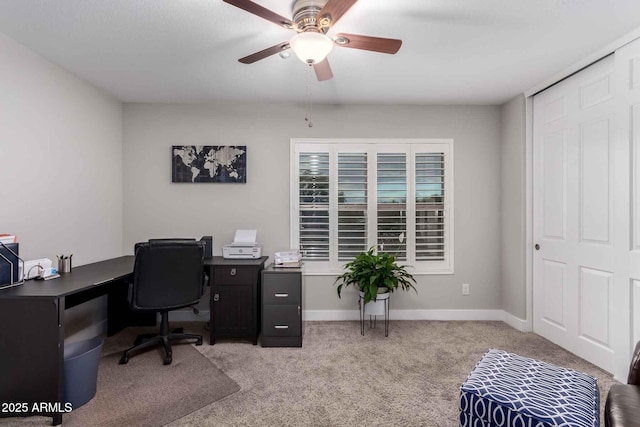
[209,163]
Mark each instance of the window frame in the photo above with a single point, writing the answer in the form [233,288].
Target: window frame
[373,146]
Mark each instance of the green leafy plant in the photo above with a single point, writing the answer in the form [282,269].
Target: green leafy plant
[371,271]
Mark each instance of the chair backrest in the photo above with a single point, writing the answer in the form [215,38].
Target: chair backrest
[634,368]
[167,274]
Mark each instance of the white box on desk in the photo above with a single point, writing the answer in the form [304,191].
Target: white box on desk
[31,268]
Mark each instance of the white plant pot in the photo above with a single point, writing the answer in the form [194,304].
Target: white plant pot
[375,308]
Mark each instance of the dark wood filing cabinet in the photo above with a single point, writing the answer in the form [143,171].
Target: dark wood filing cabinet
[235,298]
[281,307]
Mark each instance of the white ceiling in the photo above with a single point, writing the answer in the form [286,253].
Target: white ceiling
[453,52]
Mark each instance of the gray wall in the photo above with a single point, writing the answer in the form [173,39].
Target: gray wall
[512,190]
[60,164]
[154,207]
[70,148]
[61,152]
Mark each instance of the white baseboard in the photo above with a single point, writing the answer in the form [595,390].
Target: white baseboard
[337,315]
[452,315]
[521,325]
[329,315]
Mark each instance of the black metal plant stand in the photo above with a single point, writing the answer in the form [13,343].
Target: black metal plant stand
[373,318]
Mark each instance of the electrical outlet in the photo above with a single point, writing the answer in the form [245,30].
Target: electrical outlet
[465,289]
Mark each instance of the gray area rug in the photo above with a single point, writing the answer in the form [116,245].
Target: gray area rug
[144,392]
[340,378]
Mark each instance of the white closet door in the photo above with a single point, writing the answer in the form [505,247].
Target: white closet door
[627,292]
[573,218]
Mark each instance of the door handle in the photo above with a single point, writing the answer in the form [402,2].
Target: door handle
[281,295]
[233,272]
[537,246]
[281,326]
[216,297]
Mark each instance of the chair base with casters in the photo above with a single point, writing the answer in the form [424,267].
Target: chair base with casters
[164,337]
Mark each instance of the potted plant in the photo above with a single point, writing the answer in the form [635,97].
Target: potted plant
[376,274]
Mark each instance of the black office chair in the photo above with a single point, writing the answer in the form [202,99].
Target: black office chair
[167,275]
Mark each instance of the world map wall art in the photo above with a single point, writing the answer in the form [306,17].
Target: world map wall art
[209,163]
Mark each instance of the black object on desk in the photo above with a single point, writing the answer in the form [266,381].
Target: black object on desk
[32,337]
[235,298]
[8,259]
[208,246]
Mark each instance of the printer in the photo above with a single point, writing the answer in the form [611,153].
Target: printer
[244,246]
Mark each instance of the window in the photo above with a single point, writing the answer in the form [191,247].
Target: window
[313,217]
[352,205]
[392,203]
[350,195]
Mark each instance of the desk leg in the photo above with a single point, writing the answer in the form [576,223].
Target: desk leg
[31,353]
[57,419]
[212,322]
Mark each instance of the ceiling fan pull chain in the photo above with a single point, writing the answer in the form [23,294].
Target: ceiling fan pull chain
[309,100]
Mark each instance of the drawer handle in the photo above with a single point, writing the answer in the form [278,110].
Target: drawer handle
[233,272]
[281,295]
[281,326]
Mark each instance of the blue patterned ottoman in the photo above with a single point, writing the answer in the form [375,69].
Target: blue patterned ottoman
[508,390]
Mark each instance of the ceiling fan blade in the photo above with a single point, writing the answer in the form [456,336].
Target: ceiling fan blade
[333,11]
[375,44]
[323,70]
[264,53]
[262,12]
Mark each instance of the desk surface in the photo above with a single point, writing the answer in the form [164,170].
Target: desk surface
[80,279]
[84,277]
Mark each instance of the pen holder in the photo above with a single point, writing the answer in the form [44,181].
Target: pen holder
[64,265]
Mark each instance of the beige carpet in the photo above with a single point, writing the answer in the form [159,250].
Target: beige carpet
[340,378]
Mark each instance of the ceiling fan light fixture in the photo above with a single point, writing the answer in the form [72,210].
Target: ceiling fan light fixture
[311,47]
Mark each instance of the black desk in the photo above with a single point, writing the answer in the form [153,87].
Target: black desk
[32,325]
[32,329]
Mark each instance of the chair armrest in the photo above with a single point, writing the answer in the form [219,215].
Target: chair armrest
[622,406]
[634,367]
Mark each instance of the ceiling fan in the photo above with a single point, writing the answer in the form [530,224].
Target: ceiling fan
[312,19]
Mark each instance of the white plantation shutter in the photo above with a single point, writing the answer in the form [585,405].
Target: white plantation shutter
[313,190]
[430,213]
[349,195]
[352,204]
[392,204]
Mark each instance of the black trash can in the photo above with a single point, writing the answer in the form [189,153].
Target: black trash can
[81,371]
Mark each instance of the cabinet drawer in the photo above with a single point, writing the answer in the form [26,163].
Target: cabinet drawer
[281,289]
[232,275]
[281,321]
